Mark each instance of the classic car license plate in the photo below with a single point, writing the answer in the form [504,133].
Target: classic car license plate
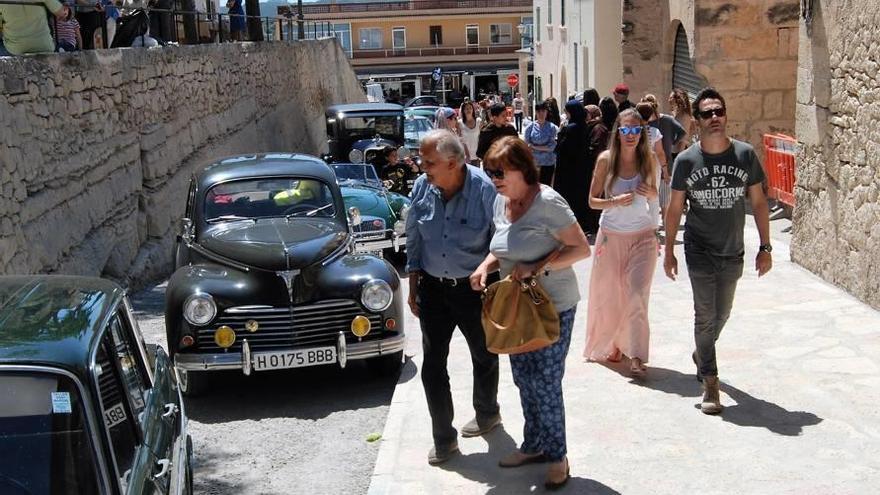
[294,359]
[366,247]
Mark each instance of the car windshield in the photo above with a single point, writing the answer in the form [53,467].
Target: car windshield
[357,172]
[45,446]
[368,126]
[415,129]
[275,197]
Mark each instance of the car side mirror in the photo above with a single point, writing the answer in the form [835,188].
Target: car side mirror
[354,216]
[186,230]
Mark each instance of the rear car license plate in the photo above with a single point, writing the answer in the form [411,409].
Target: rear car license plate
[298,358]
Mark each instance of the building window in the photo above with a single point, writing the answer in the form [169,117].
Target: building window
[561,12]
[436,35]
[549,11]
[398,38]
[371,38]
[525,38]
[500,34]
[575,65]
[538,23]
[343,34]
[472,34]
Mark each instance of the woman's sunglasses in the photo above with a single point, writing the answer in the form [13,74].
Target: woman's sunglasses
[630,129]
[712,112]
[497,173]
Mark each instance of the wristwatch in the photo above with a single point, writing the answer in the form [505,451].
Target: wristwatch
[766,248]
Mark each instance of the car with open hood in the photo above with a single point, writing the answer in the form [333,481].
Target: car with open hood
[383,213]
[85,405]
[268,276]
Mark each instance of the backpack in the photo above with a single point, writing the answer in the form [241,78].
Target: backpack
[129,27]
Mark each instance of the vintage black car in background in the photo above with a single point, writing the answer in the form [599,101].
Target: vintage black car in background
[85,406]
[358,132]
[267,276]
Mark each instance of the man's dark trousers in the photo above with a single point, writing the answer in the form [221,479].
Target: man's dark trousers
[442,307]
[713,280]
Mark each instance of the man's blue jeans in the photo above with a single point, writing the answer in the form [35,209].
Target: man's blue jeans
[713,280]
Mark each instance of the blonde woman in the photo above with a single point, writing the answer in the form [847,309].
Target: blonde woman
[624,187]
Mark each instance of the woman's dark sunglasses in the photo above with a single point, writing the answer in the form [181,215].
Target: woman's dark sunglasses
[494,173]
[712,112]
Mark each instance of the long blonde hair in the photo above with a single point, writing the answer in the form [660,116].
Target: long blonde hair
[645,164]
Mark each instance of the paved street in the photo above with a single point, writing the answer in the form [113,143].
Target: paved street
[799,386]
[798,389]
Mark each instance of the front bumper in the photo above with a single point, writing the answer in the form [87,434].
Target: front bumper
[244,361]
[397,242]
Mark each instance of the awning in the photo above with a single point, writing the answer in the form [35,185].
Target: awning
[486,68]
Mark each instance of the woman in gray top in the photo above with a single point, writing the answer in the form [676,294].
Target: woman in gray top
[533,222]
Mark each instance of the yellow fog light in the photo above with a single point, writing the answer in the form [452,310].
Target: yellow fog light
[251,326]
[224,337]
[360,326]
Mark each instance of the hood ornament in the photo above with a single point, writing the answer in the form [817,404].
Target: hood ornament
[288,276]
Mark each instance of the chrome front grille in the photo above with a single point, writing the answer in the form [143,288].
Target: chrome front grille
[284,328]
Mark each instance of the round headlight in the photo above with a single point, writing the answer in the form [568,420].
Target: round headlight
[360,326]
[224,337]
[356,156]
[399,227]
[376,295]
[199,309]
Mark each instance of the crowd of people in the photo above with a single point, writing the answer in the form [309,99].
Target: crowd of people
[529,207]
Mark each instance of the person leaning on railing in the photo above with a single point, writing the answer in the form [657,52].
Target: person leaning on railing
[25,29]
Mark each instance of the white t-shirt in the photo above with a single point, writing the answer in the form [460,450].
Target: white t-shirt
[470,137]
[641,214]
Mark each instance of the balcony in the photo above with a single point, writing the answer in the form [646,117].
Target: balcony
[436,51]
[415,5]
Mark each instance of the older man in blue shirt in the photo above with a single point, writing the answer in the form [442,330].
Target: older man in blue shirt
[448,231]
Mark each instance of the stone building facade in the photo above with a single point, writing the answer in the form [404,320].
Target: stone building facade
[97,147]
[745,49]
[837,217]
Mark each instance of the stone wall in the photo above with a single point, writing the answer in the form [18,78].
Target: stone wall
[745,49]
[96,148]
[836,230]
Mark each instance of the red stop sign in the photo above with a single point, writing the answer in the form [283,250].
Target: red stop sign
[512,79]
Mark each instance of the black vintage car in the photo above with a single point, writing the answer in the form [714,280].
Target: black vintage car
[358,132]
[267,275]
[85,406]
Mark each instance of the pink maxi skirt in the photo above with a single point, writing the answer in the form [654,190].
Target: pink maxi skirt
[620,287]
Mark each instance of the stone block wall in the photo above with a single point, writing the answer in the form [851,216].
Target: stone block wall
[745,49]
[836,231]
[97,148]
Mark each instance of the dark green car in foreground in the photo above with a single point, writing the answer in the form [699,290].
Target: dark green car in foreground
[85,406]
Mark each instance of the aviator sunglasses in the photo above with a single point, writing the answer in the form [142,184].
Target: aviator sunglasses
[630,129]
[712,112]
[497,173]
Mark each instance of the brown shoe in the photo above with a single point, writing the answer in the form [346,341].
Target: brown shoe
[711,396]
[439,455]
[519,458]
[475,428]
[557,475]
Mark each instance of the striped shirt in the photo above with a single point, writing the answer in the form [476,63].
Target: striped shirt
[66,31]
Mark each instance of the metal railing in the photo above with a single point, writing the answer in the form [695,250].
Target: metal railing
[435,51]
[333,8]
[199,27]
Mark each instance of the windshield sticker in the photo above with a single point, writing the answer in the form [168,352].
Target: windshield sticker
[114,415]
[61,403]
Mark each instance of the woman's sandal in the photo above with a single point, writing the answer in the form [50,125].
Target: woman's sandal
[518,458]
[557,475]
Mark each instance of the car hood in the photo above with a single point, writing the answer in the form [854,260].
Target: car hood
[275,243]
[368,200]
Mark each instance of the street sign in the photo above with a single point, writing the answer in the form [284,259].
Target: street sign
[437,73]
[512,80]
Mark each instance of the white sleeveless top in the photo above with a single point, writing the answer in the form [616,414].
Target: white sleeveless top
[642,214]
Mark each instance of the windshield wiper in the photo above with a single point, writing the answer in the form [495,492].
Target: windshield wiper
[309,213]
[230,217]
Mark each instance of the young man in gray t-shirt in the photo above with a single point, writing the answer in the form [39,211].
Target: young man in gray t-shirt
[715,176]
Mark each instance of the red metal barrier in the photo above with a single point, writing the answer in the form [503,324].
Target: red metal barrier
[779,166]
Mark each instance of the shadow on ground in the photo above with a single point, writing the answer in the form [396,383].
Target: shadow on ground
[748,411]
[310,393]
[149,303]
[482,467]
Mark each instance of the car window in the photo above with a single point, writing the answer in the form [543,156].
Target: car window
[357,172]
[45,445]
[119,404]
[369,126]
[275,197]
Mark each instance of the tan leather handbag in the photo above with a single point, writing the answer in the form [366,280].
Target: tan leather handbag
[518,317]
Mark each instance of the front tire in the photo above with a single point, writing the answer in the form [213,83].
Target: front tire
[386,365]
